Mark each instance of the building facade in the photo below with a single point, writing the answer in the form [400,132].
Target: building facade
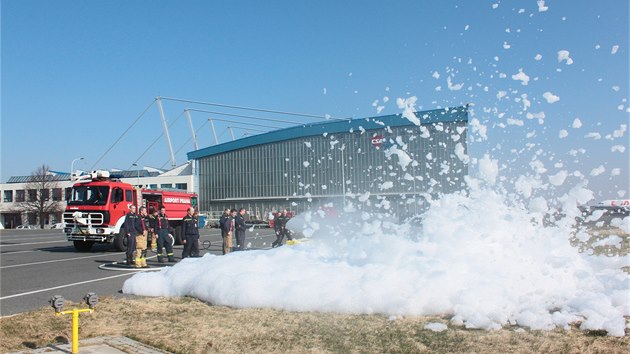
[384,163]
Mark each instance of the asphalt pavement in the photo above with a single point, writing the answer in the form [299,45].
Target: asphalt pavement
[38,264]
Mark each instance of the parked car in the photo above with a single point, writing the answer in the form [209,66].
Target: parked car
[59,225]
[26,227]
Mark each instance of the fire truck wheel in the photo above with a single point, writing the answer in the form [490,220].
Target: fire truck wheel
[120,243]
[83,246]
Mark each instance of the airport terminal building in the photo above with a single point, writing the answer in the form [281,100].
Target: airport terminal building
[387,163]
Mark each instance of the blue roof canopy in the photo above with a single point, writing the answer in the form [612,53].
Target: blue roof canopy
[333,127]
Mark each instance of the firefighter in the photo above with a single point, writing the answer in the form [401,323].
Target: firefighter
[164,239]
[225,223]
[130,233]
[142,226]
[190,232]
[280,226]
[153,236]
[240,227]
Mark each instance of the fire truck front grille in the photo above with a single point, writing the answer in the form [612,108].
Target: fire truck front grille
[83,218]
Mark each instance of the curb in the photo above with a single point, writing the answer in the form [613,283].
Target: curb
[99,345]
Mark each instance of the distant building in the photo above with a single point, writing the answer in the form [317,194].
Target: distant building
[312,165]
[15,191]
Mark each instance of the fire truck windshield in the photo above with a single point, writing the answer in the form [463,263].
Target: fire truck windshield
[89,195]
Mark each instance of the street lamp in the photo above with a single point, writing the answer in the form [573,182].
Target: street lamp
[138,170]
[72,167]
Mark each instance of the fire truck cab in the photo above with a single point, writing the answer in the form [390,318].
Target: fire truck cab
[99,202]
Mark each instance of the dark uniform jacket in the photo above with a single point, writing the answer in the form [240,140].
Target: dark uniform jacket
[239,223]
[161,223]
[281,223]
[133,224]
[190,226]
[225,223]
[146,223]
[153,225]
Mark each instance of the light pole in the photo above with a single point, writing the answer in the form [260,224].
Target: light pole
[138,170]
[72,167]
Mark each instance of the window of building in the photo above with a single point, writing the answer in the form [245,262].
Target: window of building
[8,196]
[68,192]
[20,195]
[181,186]
[166,185]
[56,194]
[153,186]
[32,195]
[45,194]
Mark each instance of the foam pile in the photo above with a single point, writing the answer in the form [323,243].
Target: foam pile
[475,257]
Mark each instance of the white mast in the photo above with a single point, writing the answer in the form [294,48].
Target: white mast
[168,137]
[214,132]
[192,130]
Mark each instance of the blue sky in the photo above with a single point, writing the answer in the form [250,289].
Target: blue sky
[76,74]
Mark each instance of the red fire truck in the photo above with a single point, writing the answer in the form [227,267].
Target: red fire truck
[99,202]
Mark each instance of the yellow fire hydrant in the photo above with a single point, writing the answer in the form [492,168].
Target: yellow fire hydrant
[57,303]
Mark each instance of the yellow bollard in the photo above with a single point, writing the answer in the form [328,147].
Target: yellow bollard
[75,325]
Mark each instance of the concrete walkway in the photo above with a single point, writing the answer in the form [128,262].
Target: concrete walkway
[99,345]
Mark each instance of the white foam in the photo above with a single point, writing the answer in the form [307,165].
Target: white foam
[550,97]
[477,257]
[436,326]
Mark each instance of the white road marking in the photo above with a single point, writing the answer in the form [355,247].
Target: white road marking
[16,252]
[32,239]
[64,286]
[130,269]
[58,260]
[33,243]
[4,234]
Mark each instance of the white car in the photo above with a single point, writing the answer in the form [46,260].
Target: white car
[59,225]
[26,227]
